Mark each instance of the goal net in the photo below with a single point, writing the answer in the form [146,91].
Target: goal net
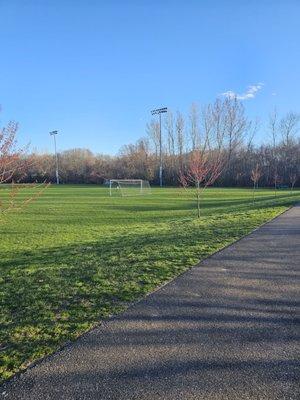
[129,187]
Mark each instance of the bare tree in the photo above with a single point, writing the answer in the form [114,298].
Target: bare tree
[170,158]
[180,141]
[236,126]
[169,126]
[273,127]
[289,126]
[194,126]
[255,176]
[153,133]
[13,165]
[293,179]
[253,127]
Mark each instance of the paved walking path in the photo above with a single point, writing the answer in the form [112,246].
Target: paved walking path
[226,329]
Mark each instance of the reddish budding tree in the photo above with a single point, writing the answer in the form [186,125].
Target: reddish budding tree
[13,165]
[207,161]
[203,168]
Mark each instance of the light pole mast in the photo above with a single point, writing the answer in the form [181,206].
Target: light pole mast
[159,111]
[54,133]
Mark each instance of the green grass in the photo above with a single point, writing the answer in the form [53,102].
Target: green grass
[76,256]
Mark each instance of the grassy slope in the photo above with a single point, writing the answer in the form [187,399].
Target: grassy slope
[76,256]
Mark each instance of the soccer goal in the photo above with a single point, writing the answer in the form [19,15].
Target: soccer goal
[129,187]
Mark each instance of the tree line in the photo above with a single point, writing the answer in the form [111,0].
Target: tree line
[222,126]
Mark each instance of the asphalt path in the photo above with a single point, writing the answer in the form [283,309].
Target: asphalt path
[226,329]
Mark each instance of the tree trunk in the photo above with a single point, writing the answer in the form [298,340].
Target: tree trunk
[198,199]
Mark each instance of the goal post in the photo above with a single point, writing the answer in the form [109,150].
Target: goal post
[129,187]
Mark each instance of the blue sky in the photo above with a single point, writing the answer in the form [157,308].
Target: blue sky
[94,69]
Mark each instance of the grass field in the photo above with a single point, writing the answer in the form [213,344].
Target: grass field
[76,256]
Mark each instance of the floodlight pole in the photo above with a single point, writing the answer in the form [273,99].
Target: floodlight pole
[54,133]
[159,111]
[160,152]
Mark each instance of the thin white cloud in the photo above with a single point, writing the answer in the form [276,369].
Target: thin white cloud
[250,93]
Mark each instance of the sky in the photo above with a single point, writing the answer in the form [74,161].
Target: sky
[94,69]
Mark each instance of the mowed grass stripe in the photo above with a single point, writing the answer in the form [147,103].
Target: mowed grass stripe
[76,256]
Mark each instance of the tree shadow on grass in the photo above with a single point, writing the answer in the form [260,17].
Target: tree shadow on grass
[208,206]
[172,341]
[52,295]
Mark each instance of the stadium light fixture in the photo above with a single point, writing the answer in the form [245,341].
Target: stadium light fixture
[54,133]
[160,111]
